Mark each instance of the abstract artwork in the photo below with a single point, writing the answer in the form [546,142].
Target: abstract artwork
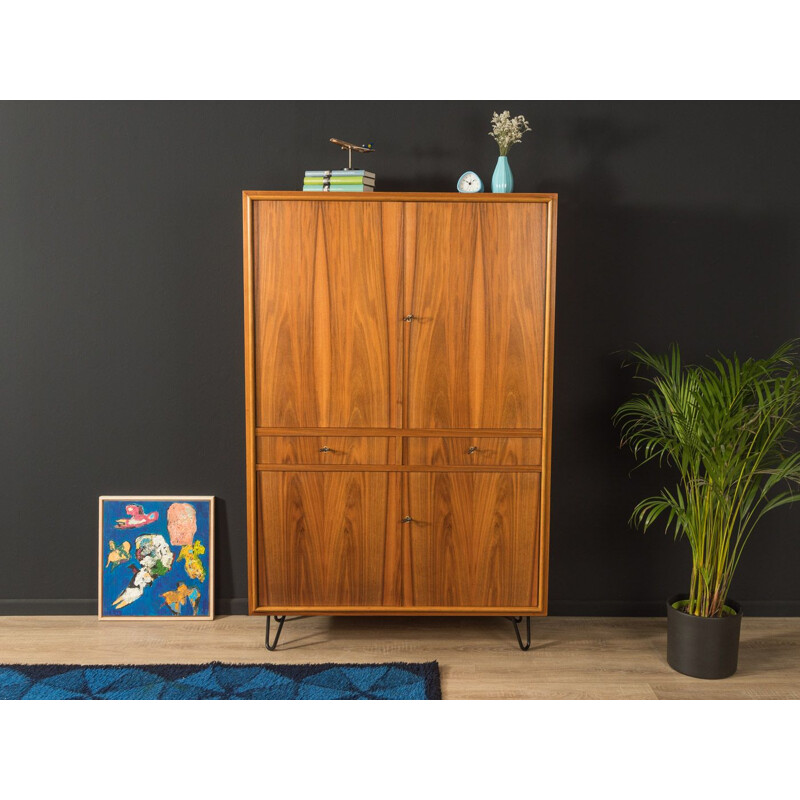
[156,558]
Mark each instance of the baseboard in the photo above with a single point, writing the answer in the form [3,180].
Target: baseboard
[605,608]
[46,608]
[231,605]
[656,608]
[561,608]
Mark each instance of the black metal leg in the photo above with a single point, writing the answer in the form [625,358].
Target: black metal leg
[516,621]
[280,621]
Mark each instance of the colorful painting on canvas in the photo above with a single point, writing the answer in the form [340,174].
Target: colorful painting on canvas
[156,557]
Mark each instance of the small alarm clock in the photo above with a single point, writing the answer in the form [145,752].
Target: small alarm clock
[469,183]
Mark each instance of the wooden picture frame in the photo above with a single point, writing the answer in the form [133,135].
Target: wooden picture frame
[156,557]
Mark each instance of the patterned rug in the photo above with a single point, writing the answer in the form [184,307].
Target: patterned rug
[218,681]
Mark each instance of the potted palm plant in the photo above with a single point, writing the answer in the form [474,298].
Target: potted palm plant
[728,429]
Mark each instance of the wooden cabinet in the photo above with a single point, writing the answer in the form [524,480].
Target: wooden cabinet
[398,361]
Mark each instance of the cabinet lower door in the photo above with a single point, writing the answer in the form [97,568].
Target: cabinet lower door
[474,538]
[321,538]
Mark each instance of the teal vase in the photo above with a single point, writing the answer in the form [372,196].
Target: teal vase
[502,179]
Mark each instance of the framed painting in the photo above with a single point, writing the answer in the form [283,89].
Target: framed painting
[156,558]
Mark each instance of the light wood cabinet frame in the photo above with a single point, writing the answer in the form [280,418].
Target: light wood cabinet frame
[351,406]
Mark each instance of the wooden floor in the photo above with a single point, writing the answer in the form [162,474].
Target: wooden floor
[571,657]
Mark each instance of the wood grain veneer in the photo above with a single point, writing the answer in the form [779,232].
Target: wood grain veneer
[325,315]
[323,450]
[398,330]
[473,538]
[472,451]
[475,282]
[322,538]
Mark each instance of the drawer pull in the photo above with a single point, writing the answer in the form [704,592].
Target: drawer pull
[472,450]
[325,450]
[406,520]
[409,318]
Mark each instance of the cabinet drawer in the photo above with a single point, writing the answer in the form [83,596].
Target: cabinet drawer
[322,450]
[472,451]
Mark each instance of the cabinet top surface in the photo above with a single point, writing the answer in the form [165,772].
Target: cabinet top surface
[407,197]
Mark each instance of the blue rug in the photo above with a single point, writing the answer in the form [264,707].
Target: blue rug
[217,681]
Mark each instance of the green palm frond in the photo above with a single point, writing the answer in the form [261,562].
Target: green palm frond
[728,428]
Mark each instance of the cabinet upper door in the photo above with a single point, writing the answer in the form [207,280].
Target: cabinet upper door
[326,312]
[475,282]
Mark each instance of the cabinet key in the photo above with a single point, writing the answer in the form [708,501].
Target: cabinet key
[472,450]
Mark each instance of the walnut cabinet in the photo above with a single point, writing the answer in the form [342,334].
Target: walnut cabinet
[398,363]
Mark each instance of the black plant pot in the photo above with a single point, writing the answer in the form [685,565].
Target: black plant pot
[703,647]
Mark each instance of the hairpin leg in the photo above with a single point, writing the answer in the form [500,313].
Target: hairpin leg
[516,621]
[280,621]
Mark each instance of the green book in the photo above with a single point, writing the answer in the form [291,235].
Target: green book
[327,173]
[338,180]
[351,187]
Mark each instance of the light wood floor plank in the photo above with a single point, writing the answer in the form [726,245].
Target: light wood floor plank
[570,658]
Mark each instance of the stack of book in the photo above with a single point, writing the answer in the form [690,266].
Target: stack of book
[338,180]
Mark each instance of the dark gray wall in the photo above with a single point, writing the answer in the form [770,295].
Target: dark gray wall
[121,308]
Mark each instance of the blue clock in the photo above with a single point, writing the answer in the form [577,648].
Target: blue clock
[469,183]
